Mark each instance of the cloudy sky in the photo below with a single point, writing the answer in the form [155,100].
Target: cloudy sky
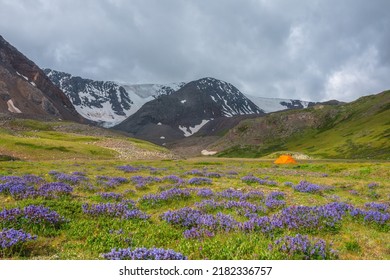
[312,50]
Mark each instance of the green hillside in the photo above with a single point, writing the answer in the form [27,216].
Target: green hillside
[357,130]
[38,140]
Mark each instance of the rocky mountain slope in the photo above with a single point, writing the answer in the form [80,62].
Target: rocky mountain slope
[185,111]
[105,102]
[27,91]
[359,129]
[109,103]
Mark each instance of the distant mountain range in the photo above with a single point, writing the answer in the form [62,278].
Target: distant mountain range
[109,103]
[187,117]
[359,129]
[184,112]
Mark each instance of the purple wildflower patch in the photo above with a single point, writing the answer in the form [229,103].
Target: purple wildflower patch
[194,172]
[275,200]
[189,218]
[377,206]
[111,182]
[13,238]
[372,216]
[117,210]
[249,179]
[111,195]
[35,214]
[301,247]
[204,192]
[54,190]
[127,168]
[197,233]
[66,178]
[144,254]
[200,181]
[140,181]
[307,187]
[171,194]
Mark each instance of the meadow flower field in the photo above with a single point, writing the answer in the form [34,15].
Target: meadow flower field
[194,209]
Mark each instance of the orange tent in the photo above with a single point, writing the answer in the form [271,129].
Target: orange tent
[284,159]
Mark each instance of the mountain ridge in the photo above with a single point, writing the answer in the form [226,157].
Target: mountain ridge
[106,96]
[26,90]
[106,102]
[185,111]
[359,129]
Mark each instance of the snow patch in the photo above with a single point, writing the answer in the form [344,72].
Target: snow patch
[183,101]
[208,153]
[188,131]
[272,104]
[12,108]
[162,137]
[159,123]
[24,77]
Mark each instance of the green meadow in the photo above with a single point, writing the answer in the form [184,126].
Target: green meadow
[85,236]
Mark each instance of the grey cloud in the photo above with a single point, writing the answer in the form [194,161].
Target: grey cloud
[313,50]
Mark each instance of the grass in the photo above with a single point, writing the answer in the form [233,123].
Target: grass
[357,130]
[38,140]
[86,237]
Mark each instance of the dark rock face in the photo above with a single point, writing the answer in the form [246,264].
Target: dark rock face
[184,112]
[296,104]
[25,89]
[94,93]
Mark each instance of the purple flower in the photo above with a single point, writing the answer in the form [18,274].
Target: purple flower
[141,181]
[197,233]
[300,246]
[117,210]
[213,175]
[128,168]
[204,192]
[53,190]
[70,179]
[372,216]
[194,172]
[189,218]
[111,195]
[143,254]
[12,238]
[38,214]
[377,206]
[252,179]
[372,185]
[307,187]
[200,181]
[171,194]
[177,181]
[35,214]
[111,182]
[275,200]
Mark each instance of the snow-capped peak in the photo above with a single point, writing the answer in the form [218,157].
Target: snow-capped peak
[108,103]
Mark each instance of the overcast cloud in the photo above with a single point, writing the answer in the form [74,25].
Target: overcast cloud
[311,50]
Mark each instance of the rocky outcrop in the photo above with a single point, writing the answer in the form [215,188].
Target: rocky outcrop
[25,89]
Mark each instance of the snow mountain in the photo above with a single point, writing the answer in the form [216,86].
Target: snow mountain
[269,105]
[184,112]
[105,102]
